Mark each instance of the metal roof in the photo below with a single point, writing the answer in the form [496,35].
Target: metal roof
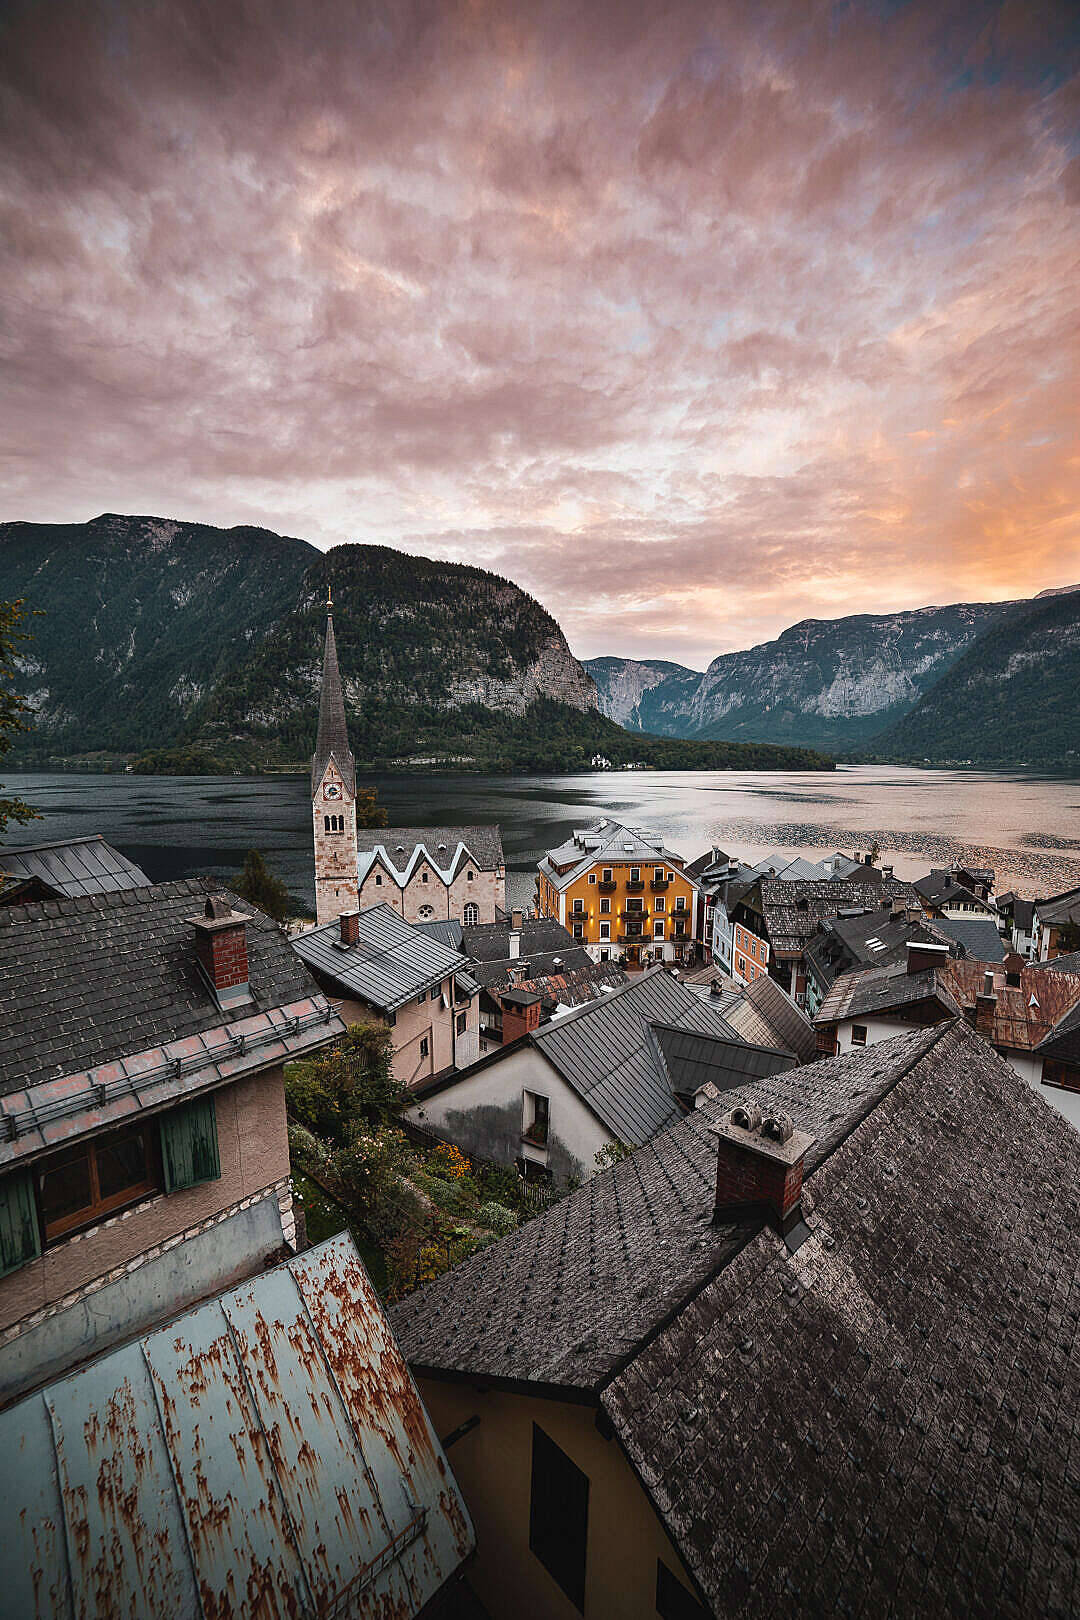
[605,1051]
[979,936]
[392,963]
[606,841]
[694,1060]
[482,842]
[765,1013]
[266,1453]
[76,866]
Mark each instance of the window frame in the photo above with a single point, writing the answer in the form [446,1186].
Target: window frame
[425,1046]
[100,1208]
[860,1039]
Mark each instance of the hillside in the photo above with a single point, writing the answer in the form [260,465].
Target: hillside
[1010,700]
[823,683]
[623,686]
[199,649]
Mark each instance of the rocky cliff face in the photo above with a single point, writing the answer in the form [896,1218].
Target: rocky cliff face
[622,683]
[554,673]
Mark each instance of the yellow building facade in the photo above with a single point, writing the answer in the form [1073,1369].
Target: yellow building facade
[621,894]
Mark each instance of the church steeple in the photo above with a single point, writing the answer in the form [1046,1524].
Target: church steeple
[333,794]
[333,738]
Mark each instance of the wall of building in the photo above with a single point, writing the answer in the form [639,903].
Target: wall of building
[485,890]
[482,1113]
[591,917]
[335,852]
[877,1029]
[493,1463]
[416,1022]
[254,1153]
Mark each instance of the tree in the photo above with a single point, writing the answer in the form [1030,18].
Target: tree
[259,885]
[369,812]
[13,706]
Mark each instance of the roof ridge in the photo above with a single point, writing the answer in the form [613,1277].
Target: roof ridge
[605,1001]
[142,894]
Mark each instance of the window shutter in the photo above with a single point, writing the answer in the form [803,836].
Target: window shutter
[189,1145]
[20,1240]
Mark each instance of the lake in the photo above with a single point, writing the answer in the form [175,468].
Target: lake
[1026,827]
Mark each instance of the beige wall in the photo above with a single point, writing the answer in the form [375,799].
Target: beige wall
[413,1022]
[492,1464]
[254,1151]
[486,890]
[335,853]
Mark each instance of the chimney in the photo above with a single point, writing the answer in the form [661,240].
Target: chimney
[922,954]
[716,989]
[221,949]
[517,920]
[759,1168]
[986,1005]
[898,909]
[887,872]
[350,928]
[858,858]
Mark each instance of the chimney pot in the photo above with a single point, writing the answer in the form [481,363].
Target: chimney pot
[350,928]
[759,1166]
[221,949]
[922,954]
[887,872]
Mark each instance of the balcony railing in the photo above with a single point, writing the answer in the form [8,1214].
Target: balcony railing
[627,915]
[635,888]
[658,885]
[607,888]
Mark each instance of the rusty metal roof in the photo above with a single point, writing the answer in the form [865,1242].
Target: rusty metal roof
[266,1453]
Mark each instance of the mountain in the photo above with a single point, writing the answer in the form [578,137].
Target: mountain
[623,683]
[196,648]
[1010,700]
[824,683]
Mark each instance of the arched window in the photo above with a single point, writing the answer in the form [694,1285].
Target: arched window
[326,823]
[471,915]
[426,913]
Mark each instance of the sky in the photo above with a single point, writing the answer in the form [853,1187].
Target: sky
[692,319]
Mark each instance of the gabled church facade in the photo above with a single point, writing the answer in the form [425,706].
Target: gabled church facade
[333,795]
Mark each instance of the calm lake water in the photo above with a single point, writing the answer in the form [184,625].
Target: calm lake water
[1026,827]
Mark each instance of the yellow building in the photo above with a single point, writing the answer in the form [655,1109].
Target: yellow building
[622,894]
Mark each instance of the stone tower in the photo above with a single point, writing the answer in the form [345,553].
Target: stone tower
[333,794]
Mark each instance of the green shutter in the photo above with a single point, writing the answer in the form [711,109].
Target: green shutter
[189,1145]
[20,1239]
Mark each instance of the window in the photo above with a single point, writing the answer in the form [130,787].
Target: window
[635,905]
[462,1023]
[605,905]
[605,875]
[471,914]
[423,877]
[858,1034]
[680,902]
[435,992]
[680,930]
[425,1046]
[661,903]
[20,1239]
[425,913]
[658,928]
[605,930]
[635,874]
[673,1601]
[87,1182]
[421,998]
[559,1516]
[470,874]
[605,956]
[658,874]
[579,930]
[189,1145]
[378,880]
[578,908]
[535,1117]
[592,877]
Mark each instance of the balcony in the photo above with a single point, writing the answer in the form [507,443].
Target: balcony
[635,888]
[658,885]
[607,888]
[633,939]
[634,916]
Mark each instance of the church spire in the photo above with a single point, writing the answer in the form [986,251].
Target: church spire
[333,735]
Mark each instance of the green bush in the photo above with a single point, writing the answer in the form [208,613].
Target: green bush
[497,1218]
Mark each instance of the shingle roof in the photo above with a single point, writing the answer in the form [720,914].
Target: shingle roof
[483,843]
[766,1013]
[144,1484]
[447,931]
[886,989]
[84,981]
[490,942]
[1059,909]
[568,1297]
[882,1423]
[72,867]
[606,841]
[576,987]
[1064,964]
[333,736]
[392,963]
[794,911]
[604,1051]
[885,1422]
[979,937]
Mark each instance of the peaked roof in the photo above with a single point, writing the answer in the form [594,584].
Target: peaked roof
[392,964]
[794,910]
[765,1013]
[978,935]
[70,867]
[144,1483]
[1059,909]
[605,841]
[399,849]
[905,1383]
[333,739]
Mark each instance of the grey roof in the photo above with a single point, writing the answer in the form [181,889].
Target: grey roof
[265,1452]
[537,936]
[886,989]
[941,888]
[1058,909]
[84,981]
[484,843]
[766,1013]
[576,986]
[609,841]
[570,1296]
[333,738]
[71,867]
[1064,964]
[899,1401]
[547,953]
[882,1423]
[392,963]
[872,938]
[448,932]
[794,911]
[605,1052]
[1022,912]
[979,937]
[694,1060]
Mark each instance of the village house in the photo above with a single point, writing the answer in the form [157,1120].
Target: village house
[865,936]
[607,1075]
[762,1013]
[64,870]
[622,894]
[380,969]
[142,1038]
[741,950]
[1055,925]
[770,1364]
[1016,918]
[1029,1012]
[428,874]
[958,893]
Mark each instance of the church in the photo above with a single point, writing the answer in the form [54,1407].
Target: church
[426,874]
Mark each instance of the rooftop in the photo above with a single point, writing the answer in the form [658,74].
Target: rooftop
[392,963]
[794,910]
[608,841]
[978,935]
[86,981]
[399,846]
[904,1384]
[144,1483]
[1060,909]
[69,868]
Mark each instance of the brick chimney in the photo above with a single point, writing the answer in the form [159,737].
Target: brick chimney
[221,949]
[350,927]
[521,1011]
[759,1167]
[986,1005]
[923,954]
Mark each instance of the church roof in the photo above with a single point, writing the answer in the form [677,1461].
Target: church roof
[333,738]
